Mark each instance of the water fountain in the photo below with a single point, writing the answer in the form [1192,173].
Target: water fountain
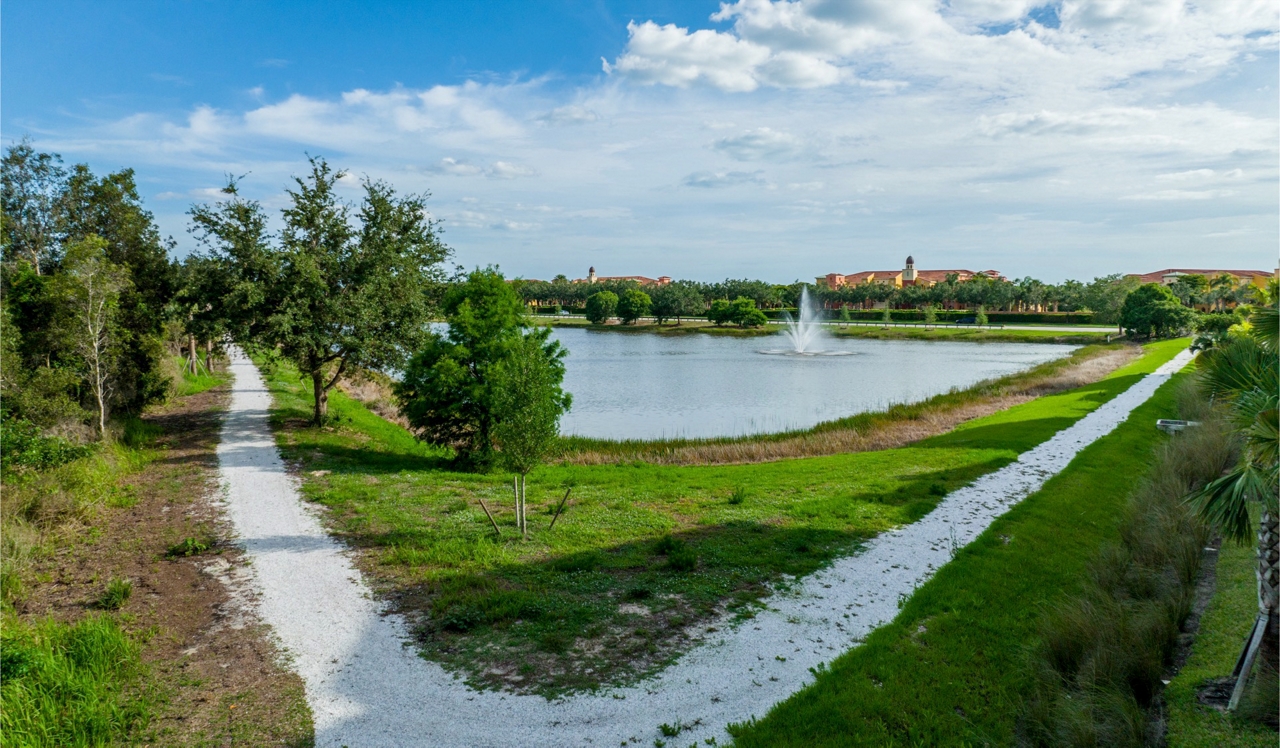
[806,333]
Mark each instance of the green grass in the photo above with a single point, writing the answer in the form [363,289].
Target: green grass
[951,668]
[966,334]
[1223,628]
[70,685]
[186,383]
[602,598]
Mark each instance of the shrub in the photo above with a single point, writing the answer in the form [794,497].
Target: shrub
[738,496]
[720,312]
[682,559]
[1153,311]
[23,446]
[189,547]
[666,544]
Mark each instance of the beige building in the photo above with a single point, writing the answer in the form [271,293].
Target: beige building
[661,280]
[1168,276]
[908,276]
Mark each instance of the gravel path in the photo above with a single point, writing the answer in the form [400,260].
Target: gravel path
[367,687]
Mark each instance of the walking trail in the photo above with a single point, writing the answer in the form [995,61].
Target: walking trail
[367,686]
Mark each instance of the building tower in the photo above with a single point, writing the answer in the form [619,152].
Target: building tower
[909,274]
[591,275]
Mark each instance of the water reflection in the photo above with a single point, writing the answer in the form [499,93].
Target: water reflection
[641,386]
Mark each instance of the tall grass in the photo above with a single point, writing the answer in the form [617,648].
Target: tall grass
[70,685]
[1102,653]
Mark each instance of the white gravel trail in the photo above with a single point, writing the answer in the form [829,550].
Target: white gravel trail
[367,686]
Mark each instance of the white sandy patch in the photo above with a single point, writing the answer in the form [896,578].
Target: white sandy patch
[367,687]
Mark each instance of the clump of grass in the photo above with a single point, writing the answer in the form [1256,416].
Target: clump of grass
[75,684]
[738,496]
[189,547]
[1102,653]
[116,594]
[638,593]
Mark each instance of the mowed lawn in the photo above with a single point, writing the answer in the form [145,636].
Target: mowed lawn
[952,668]
[644,556]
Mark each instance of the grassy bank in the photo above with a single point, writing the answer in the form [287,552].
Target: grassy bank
[894,426]
[1223,627]
[951,669]
[968,334]
[645,555]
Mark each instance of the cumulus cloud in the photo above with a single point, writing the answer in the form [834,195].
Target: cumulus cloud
[570,114]
[454,167]
[507,170]
[711,180]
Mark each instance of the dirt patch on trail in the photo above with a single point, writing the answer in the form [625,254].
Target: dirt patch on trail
[219,677]
[896,433]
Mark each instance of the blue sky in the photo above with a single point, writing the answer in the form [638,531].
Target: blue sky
[779,140]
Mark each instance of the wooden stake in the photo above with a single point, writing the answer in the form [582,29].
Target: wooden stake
[560,508]
[490,516]
[1245,663]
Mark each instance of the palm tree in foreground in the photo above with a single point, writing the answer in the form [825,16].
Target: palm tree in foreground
[1244,373]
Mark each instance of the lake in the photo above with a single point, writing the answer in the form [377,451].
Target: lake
[644,386]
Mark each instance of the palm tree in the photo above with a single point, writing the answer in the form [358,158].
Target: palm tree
[1245,374]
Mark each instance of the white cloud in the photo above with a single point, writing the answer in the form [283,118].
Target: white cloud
[506,170]
[708,179]
[760,144]
[1181,195]
[570,114]
[454,167]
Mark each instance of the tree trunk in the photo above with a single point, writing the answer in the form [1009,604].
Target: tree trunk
[321,396]
[1269,584]
[208,355]
[191,348]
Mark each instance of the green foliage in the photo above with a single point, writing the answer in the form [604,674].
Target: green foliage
[116,594]
[930,314]
[189,547]
[886,315]
[1152,311]
[981,317]
[632,305]
[1224,624]
[741,311]
[528,401]
[720,312]
[1104,652]
[23,446]
[426,534]
[952,668]
[70,684]
[1244,373]
[601,307]
[335,295]
[676,300]
[450,392]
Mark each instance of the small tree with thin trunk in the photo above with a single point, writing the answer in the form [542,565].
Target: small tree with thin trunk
[90,288]
[528,404]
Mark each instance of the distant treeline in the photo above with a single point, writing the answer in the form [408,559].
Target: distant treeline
[1102,297]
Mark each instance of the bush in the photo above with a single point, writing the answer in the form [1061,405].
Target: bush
[720,312]
[22,445]
[601,306]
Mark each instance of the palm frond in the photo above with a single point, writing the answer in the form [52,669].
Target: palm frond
[1265,322]
[1224,502]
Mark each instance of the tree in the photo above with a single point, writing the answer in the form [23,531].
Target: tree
[1190,289]
[31,189]
[1245,374]
[679,299]
[1153,311]
[721,311]
[448,391]
[527,405]
[351,296]
[633,305]
[90,287]
[981,317]
[743,313]
[1105,296]
[930,315]
[601,306]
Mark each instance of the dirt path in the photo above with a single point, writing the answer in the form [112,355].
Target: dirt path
[217,672]
[367,687]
